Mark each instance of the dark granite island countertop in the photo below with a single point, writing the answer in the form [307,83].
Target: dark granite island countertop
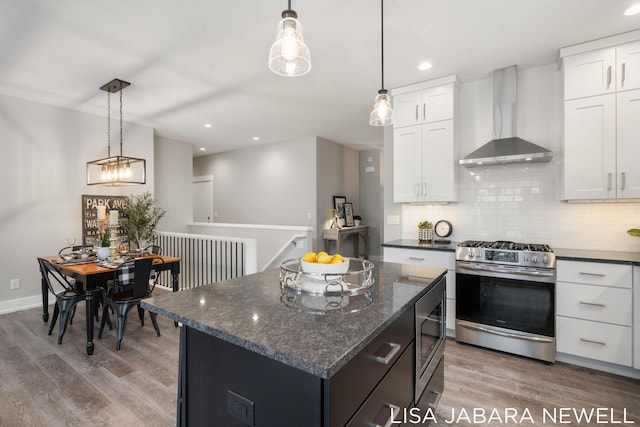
[247,312]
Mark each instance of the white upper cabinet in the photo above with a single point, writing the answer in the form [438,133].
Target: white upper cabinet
[602,120]
[424,142]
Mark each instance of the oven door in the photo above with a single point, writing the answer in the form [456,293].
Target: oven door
[430,334]
[510,303]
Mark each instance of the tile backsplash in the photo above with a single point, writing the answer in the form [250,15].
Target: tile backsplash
[522,203]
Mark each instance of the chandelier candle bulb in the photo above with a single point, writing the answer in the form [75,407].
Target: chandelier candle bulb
[113,217]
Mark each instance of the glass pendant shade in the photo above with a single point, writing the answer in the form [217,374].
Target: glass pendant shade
[382,114]
[289,55]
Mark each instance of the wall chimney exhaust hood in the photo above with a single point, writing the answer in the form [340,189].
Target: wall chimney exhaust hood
[506,147]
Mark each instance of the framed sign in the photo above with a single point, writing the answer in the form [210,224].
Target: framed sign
[348,215]
[338,204]
[90,228]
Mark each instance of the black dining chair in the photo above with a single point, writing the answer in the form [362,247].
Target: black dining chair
[129,286]
[67,295]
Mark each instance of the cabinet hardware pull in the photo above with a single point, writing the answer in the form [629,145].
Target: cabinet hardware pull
[597,304]
[592,274]
[416,113]
[424,188]
[424,111]
[608,76]
[623,73]
[417,189]
[395,348]
[609,180]
[415,258]
[623,179]
[593,341]
[393,409]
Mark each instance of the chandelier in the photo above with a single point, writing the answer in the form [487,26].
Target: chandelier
[118,169]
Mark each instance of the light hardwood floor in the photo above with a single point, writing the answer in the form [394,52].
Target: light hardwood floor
[46,384]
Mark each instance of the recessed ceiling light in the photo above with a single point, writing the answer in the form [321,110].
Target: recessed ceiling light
[207,125]
[202,149]
[635,9]
[256,138]
[424,66]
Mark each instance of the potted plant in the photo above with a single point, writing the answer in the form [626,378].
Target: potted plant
[356,220]
[634,232]
[140,216]
[425,231]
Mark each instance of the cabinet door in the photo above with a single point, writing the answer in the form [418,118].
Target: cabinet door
[628,66]
[628,144]
[406,109]
[590,144]
[589,74]
[636,317]
[437,103]
[438,171]
[406,164]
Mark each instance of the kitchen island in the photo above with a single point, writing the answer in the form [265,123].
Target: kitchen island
[247,358]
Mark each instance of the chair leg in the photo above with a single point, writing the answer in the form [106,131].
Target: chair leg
[73,313]
[105,316]
[122,312]
[154,321]
[56,311]
[141,315]
[65,317]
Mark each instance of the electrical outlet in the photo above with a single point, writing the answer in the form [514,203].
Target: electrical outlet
[15,283]
[240,407]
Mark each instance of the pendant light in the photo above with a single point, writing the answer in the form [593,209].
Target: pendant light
[289,56]
[116,170]
[382,111]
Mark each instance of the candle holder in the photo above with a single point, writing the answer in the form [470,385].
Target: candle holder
[113,238]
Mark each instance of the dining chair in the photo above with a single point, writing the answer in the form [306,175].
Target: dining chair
[67,295]
[153,249]
[129,286]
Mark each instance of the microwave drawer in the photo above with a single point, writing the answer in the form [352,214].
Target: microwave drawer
[351,385]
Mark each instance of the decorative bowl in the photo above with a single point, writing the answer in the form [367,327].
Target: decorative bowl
[316,268]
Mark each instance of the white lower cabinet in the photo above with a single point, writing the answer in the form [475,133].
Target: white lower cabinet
[594,311]
[431,258]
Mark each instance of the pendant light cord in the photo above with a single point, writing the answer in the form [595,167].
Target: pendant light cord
[108,124]
[382,40]
[121,120]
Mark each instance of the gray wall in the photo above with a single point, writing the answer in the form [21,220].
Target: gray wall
[174,166]
[371,202]
[45,150]
[266,184]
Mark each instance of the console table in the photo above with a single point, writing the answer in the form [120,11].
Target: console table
[340,234]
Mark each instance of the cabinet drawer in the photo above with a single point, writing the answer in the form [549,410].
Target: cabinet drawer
[601,341]
[396,389]
[598,303]
[351,385]
[595,273]
[421,257]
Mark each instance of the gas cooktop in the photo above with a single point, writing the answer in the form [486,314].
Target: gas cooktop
[506,253]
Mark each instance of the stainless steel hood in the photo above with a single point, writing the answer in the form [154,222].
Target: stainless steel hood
[506,147]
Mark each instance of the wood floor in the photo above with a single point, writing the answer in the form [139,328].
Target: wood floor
[46,384]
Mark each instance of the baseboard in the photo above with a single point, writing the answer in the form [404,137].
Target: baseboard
[598,365]
[22,303]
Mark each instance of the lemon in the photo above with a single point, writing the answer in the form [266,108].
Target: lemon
[323,258]
[337,259]
[309,257]
[322,253]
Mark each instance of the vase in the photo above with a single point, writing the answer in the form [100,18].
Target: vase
[103,252]
[425,234]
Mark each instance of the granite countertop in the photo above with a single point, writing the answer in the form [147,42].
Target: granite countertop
[416,244]
[247,311]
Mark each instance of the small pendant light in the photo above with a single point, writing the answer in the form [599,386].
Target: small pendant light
[382,111]
[289,56]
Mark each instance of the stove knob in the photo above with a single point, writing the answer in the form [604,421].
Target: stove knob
[545,259]
[526,258]
[471,254]
[534,259]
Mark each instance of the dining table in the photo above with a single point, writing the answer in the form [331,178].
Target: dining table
[93,275]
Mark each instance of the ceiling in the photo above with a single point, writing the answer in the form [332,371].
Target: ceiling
[203,61]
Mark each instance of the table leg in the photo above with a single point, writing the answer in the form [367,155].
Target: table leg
[365,237]
[89,308]
[45,300]
[356,246]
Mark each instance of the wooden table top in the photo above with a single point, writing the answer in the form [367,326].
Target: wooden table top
[89,268]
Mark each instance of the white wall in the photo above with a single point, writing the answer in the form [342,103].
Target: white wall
[173,189]
[45,150]
[522,202]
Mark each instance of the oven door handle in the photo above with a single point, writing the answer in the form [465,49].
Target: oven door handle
[505,334]
[509,271]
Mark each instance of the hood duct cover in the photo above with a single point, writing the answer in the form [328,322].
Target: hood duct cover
[506,147]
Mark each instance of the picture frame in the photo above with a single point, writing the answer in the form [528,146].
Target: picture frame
[348,215]
[338,204]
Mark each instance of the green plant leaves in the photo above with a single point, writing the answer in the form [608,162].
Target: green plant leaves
[634,232]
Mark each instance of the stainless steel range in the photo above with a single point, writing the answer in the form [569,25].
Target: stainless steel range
[505,297]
